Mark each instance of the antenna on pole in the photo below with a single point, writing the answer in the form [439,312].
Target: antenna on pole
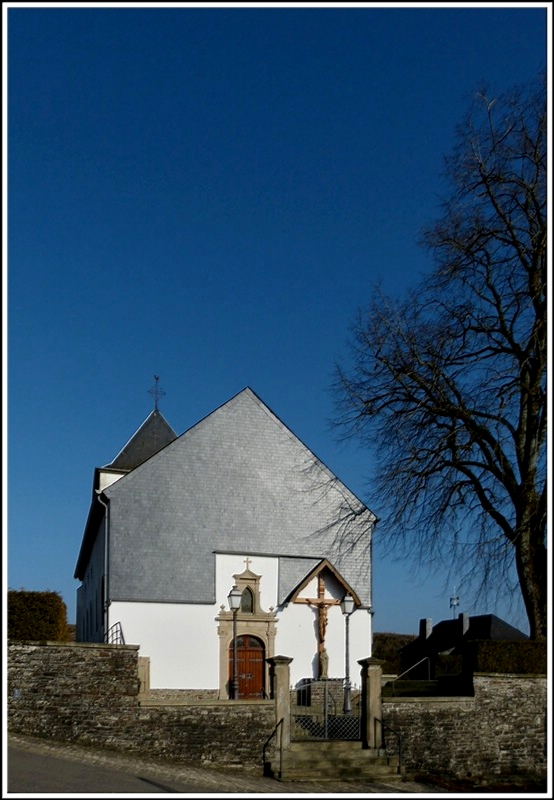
[156,392]
[454,602]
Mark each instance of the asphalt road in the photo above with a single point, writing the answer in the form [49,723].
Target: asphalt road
[30,772]
[45,767]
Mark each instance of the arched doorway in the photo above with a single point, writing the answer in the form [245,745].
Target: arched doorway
[250,666]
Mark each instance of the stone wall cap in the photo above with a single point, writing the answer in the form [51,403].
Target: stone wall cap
[83,645]
[224,703]
[371,662]
[509,675]
[458,699]
[279,660]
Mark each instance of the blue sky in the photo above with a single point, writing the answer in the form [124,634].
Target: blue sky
[209,194]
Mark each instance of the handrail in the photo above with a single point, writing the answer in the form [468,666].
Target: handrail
[273,733]
[426,658]
[115,634]
[396,733]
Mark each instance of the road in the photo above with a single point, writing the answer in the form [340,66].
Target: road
[42,766]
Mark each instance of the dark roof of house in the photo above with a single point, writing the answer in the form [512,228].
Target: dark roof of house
[449,633]
[489,626]
[153,435]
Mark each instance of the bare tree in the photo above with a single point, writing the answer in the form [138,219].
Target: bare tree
[447,385]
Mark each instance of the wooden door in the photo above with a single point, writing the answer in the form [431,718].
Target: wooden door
[250,666]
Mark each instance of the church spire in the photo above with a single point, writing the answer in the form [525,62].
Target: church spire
[156,392]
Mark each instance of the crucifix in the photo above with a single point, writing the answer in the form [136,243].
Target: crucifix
[322,604]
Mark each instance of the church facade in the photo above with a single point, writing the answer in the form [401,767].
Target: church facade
[239,501]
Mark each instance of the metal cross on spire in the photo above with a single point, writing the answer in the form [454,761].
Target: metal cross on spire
[156,392]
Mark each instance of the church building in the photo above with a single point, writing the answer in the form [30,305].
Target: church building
[235,507]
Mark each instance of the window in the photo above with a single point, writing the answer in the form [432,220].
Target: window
[247,601]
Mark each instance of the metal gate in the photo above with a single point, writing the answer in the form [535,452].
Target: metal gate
[317,711]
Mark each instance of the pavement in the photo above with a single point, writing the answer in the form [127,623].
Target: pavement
[155,775]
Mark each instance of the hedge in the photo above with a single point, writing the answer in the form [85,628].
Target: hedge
[521,657]
[37,616]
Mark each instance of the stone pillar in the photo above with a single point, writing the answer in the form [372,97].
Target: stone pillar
[371,672]
[279,677]
[144,676]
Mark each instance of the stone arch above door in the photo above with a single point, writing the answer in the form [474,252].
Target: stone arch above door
[252,620]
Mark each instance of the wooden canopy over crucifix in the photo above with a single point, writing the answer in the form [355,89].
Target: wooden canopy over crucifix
[322,604]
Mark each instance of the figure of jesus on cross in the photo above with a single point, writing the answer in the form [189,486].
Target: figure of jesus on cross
[322,604]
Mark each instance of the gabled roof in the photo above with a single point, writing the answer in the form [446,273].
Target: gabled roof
[489,626]
[153,435]
[323,566]
[239,479]
[449,633]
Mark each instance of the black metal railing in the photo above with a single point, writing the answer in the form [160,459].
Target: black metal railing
[115,634]
[384,727]
[277,728]
[426,658]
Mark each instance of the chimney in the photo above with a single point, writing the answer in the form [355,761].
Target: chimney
[464,623]
[425,628]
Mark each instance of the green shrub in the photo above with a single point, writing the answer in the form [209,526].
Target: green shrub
[387,646]
[523,657]
[37,616]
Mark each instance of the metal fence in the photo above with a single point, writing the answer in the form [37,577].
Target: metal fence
[317,711]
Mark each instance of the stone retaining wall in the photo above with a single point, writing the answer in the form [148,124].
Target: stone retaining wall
[89,694]
[498,733]
[180,696]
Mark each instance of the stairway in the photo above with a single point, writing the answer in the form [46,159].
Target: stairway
[443,686]
[333,760]
[404,688]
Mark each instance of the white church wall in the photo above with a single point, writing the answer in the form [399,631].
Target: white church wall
[227,565]
[106,478]
[299,620]
[181,641]
[294,641]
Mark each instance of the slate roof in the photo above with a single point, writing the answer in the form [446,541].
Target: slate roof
[153,435]
[448,634]
[237,481]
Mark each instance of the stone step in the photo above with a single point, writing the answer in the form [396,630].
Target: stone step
[327,760]
[356,757]
[328,746]
[306,772]
[338,774]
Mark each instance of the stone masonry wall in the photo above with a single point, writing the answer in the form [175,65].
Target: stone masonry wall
[179,696]
[71,692]
[89,694]
[498,733]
